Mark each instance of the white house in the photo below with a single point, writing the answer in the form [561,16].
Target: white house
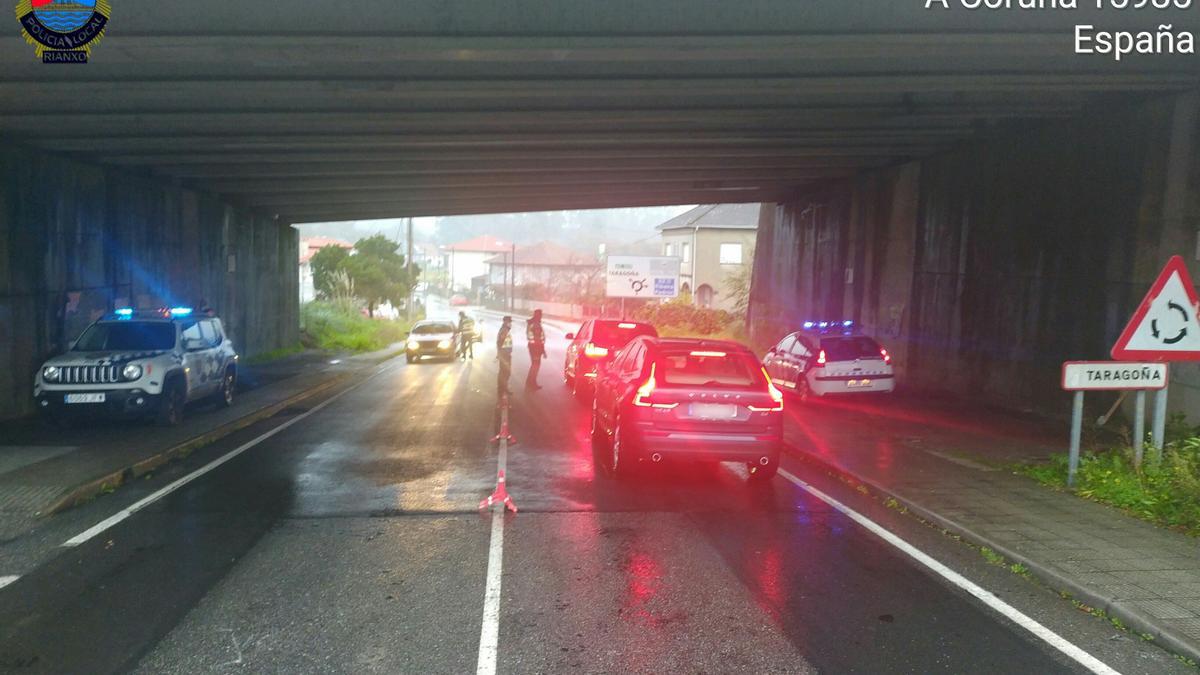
[467,260]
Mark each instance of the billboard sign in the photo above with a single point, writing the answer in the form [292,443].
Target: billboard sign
[636,276]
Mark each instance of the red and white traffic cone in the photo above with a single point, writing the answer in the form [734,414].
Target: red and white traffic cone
[500,495]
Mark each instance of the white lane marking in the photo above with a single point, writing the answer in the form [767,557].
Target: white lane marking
[163,492]
[986,597]
[489,633]
[6,580]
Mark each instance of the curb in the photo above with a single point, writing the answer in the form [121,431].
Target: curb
[1133,618]
[89,490]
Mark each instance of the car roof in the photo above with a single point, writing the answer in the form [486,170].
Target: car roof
[699,343]
[620,321]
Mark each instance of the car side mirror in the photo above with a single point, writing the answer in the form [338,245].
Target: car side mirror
[570,336]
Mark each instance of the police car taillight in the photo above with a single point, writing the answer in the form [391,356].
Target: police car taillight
[821,358]
[887,358]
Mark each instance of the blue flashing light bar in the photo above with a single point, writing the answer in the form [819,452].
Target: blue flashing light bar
[845,324]
[125,311]
[181,311]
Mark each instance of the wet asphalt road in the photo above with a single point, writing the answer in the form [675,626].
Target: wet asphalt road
[351,542]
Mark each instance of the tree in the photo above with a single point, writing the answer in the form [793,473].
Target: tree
[324,263]
[378,272]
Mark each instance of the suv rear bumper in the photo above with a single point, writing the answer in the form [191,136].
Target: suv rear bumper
[705,446]
[117,402]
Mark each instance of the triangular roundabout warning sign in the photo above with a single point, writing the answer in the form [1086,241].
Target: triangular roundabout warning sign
[1166,326]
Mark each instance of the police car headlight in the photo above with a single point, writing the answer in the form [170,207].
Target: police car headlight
[51,374]
[414,345]
[131,371]
[443,344]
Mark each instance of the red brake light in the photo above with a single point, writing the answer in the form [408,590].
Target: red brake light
[594,352]
[821,358]
[709,354]
[642,397]
[627,325]
[887,358]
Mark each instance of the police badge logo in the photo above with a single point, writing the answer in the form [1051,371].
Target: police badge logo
[63,31]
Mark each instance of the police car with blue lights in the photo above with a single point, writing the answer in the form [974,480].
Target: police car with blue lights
[830,357]
[140,363]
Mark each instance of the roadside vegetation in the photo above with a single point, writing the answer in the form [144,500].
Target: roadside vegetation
[335,325]
[678,317]
[1165,490]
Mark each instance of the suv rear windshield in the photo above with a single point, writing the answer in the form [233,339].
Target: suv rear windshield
[619,333]
[850,348]
[432,328]
[127,336]
[702,367]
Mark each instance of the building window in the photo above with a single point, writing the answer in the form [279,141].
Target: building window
[668,249]
[687,252]
[731,254]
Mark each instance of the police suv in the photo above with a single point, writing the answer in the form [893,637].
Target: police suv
[830,357]
[140,363]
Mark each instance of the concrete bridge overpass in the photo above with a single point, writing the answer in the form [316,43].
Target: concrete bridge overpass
[173,162]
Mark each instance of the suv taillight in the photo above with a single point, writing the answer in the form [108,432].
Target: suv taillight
[887,358]
[821,358]
[776,396]
[642,398]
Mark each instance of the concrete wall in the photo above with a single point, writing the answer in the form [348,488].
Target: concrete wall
[983,268]
[78,239]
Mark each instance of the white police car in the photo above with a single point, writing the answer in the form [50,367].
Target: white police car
[140,363]
[830,357]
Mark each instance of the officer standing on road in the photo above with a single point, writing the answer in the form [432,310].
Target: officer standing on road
[535,338]
[466,336]
[504,354]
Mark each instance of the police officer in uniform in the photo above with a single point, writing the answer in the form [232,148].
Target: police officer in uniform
[535,339]
[466,336]
[504,354]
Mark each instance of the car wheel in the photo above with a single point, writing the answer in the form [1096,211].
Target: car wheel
[803,393]
[599,444]
[224,396]
[170,408]
[409,358]
[579,389]
[760,473]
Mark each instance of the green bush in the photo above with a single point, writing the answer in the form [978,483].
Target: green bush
[340,326]
[682,315]
[1166,490]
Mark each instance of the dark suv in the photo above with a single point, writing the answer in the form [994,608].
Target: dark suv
[686,398]
[596,340]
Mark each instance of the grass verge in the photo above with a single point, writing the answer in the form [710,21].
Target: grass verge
[1165,490]
[340,327]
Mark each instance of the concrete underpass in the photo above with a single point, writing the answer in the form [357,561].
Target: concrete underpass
[986,201]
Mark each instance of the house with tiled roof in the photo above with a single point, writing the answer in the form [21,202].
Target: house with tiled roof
[554,267]
[713,242]
[466,261]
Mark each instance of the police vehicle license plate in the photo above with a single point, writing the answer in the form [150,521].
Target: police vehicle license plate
[858,383]
[85,398]
[712,410]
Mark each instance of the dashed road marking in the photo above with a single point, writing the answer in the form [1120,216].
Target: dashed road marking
[489,632]
[983,595]
[6,580]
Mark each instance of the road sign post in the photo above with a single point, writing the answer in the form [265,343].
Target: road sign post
[1076,432]
[1081,376]
[1139,426]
